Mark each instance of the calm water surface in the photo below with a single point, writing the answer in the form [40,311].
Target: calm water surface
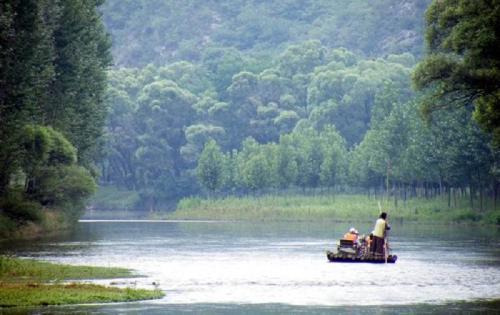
[228,267]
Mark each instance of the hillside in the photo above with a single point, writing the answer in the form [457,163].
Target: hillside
[240,97]
[162,31]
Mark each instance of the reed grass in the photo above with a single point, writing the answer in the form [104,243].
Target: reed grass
[328,207]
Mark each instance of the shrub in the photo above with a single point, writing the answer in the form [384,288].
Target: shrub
[16,208]
[6,226]
[468,216]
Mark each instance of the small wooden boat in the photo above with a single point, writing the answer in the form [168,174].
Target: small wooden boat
[349,252]
[336,257]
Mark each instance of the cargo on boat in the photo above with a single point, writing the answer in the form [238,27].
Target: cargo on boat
[349,251]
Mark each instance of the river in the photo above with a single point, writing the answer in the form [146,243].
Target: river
[261,267]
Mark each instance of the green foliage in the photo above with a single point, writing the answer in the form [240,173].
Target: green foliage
[61,294]
[16,208]
[32,270]
[196,29]
[301,59]
[468,216]
[22,283]
[52,69]
[61,150]
[254,172]
[288,107]
[325,207]
[26,38]
[210,166]
[44,145]
[52,177]
[83,53]
[462,66]
[65,186]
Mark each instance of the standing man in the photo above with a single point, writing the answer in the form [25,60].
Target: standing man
[378,242]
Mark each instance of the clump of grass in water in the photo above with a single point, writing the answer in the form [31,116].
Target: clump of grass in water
[22,283]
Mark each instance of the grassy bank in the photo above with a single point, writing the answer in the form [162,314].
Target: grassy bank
[329,207]
[26,282]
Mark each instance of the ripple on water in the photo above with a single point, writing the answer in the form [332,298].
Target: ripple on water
[233,264]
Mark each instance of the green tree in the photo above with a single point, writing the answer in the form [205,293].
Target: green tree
[197,137]
[210,169]
[26,73]
[77,104]
[164,111]
[286,167]
[52,79]
[462,65]
[222,64]
[302,58]
[333,167]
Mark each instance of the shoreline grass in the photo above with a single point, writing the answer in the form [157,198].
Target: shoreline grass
[329,207]
[13,295]
[26,282]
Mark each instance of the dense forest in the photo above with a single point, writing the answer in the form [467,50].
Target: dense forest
[218,98]
[238,97]
[53,61]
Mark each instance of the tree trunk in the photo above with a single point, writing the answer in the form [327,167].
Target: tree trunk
[495,186]
[454,197]
[387,178]
[404,192]
[471,197]
[449,196]
[395,197]
[481,198]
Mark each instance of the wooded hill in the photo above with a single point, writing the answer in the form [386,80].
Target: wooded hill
[231,97]
[165,31]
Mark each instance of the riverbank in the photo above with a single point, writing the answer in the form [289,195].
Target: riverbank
[329,207]
[25,282]
[47,222]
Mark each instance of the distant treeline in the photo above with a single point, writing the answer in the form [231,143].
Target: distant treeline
[53,57]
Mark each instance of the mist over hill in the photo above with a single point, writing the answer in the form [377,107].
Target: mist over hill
[163,31]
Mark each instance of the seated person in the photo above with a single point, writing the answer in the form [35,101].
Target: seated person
[368,239]
[352,235]
[366,242]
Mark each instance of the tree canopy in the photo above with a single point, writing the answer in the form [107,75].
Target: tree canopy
[53,61]
[236,97]
[463,65]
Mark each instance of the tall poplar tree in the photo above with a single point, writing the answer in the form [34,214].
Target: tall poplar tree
[53,60]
